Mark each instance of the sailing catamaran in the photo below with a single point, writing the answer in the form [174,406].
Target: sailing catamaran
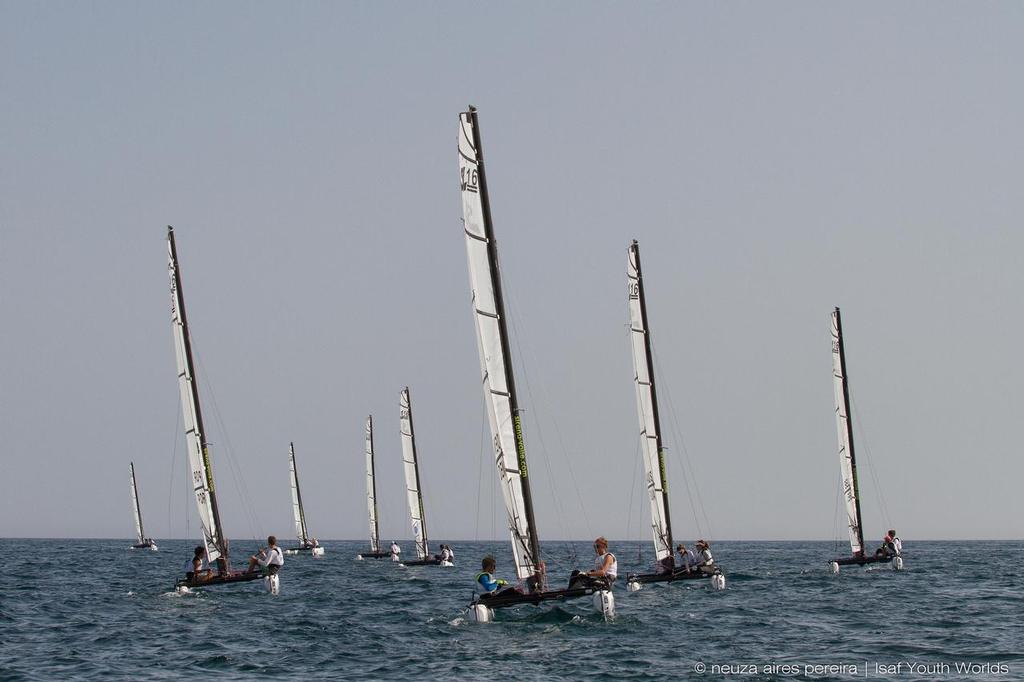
[195,440]
[848,460]
[500,393]
[371,499]
[651,449]
[308,544]
[141,541]
[413,492]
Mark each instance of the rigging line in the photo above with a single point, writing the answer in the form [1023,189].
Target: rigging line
[174,459]
[871,466]
[233,464]
[480,468]
[835,514]
[514,332]
[689,478]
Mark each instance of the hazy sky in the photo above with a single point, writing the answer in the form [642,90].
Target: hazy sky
[773,159]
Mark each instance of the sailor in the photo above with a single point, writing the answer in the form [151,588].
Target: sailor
[395,550]
[451,553]
[271,558]
[686,558]
[446,554]
[896,545]
[486,583]
[606,568]
[704,559]
[194,571]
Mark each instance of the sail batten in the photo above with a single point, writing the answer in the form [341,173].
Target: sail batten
[844,428]
[410,465]
[652,451]
[195,436]
[492,342]
[371,488]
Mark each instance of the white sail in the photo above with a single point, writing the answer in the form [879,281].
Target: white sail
[135,507]
[506,427]
[412,476]
[371,488]
[300,517]
[847,464]
[198,454]
[650,440]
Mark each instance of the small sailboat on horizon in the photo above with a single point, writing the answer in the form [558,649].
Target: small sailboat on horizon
[141,541]
[371,500]
[498,383]
[307,543]
[413,491]
[652,451]
[205,492]
[848,462]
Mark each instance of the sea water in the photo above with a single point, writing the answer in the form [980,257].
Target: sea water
[95,609]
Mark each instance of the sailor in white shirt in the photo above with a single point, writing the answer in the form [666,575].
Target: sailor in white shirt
[271,558]
[395,550]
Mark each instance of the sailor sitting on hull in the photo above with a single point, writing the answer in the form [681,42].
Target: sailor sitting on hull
[606,568]
[271,558]
[705,562]
[892,546]
[486,583]
[194,571]
[687,561]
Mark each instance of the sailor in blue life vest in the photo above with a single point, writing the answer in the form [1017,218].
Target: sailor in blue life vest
[606,569]
[194,571]
[486,583]
[271,558]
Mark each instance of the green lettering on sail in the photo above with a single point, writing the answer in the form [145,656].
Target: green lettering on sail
[520,446]
[206,467]
[664,476]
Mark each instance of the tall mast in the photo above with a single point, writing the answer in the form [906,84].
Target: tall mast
[495,353]
[414,492]
[844,425]
[138,510]
[300,516]
[195,434]
[647,407]
[371,488]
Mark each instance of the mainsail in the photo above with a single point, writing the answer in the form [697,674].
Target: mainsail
[300,516]
[412,476]
[371,488]
[195,435]
[135,507]
[651,450]
[495,356]
[847,461]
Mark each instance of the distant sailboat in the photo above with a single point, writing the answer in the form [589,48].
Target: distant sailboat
[371,499]
[195,439]
[848,460]
[308,544]
[413,492]
[500,393]
[141,541]
[651,449]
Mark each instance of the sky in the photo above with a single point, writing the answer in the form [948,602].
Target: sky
[774,160]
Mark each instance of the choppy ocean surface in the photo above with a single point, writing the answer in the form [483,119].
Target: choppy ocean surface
[93,609]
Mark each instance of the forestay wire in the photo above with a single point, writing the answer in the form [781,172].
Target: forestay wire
[539,406]
[862,438]
[233,465]
[690,480]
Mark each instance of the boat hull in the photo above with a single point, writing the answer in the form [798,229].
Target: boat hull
[674,576]
[862,560]
[375,555]
[235,577]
